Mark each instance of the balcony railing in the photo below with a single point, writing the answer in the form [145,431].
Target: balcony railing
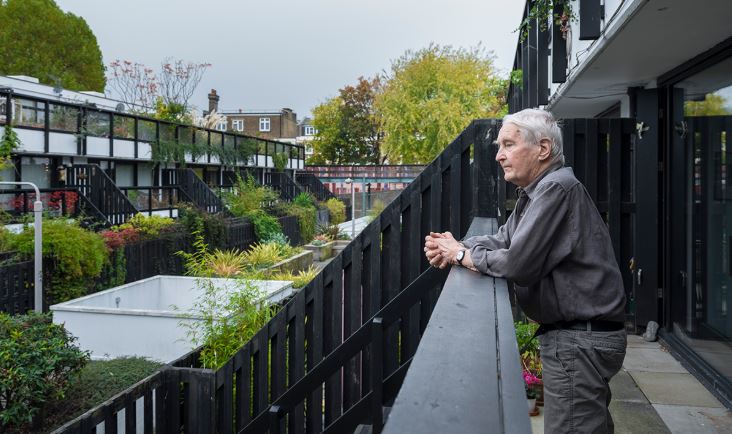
[381,173]
[47,126]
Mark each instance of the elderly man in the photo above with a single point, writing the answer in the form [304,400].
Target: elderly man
[556,248]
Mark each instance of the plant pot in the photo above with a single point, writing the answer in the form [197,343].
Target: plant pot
[533,409]
[322,252]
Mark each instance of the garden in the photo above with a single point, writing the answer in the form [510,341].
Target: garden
[48,377]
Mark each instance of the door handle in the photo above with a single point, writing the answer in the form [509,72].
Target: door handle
[639,277]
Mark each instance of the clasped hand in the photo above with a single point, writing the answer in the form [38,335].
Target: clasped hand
[441,249]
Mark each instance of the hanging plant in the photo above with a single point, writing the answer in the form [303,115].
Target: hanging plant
[542,11]
[9,143]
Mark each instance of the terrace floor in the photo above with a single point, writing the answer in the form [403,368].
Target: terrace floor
[654,393]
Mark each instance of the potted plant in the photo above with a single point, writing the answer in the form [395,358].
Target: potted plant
[530,363]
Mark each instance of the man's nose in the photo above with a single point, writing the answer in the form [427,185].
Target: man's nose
[500,155]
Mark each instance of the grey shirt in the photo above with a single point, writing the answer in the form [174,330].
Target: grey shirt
[557,251]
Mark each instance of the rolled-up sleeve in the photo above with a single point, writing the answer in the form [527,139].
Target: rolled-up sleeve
[534,246]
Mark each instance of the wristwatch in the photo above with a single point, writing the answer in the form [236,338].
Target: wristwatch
[460,256]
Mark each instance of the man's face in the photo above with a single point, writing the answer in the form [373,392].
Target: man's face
[519,159]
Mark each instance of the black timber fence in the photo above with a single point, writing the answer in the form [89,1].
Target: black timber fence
[16,287]
[94,184]
[339,303]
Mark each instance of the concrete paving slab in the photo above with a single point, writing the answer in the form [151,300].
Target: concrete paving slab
[636,418]
[635,341]
[624,388]
[537,422]
[674,388]
[651,360]
[693,420]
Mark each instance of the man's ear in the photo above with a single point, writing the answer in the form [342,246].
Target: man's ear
[546,149]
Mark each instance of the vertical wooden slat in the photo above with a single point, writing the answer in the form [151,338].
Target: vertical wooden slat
[130,415]
[296,363]
[352,321]
[224,392]
[614,188]
[559,48]
[591,150]
[333,334]
[261,371]
[454,188]
[391,278]
[243,371]
[314,336]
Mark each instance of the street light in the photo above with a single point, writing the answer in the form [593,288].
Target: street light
[349,181]
[38,253]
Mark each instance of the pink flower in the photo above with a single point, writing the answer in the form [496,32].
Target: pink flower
[530,379]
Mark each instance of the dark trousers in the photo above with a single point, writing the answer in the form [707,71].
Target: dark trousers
[577,366]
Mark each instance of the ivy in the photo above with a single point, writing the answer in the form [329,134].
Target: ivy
[8,144]
[542,11]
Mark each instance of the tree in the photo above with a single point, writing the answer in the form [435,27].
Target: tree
[712,105]
[38,39]
[166,94]
[348,129]
[431,95]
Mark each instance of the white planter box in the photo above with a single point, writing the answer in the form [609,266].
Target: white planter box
[138,319]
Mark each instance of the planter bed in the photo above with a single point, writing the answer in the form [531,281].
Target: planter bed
[139,319]
[300,262]
[322,252]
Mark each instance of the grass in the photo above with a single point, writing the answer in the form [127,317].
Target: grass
[97,382]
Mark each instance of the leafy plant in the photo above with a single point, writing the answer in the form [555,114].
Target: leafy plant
[229,317]
[37,359]
[263,255]
[304,199]
[77,257]
[8,144]
[337,211]
[148,226]
[543,11]
[211,226]
[279,160]
[278,238]
[265,225]
[306,219]
[299,279]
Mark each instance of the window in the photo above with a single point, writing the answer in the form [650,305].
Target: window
[310,130]
[221,125]
[237,124]
[263,124]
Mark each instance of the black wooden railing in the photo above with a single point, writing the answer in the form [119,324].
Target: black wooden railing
[195,189]
[66,201]
[283,183]
[382,261]
[149,200]
[17,293]
[312,184]
[94,184]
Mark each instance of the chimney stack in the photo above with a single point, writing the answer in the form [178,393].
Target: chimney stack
[213,101]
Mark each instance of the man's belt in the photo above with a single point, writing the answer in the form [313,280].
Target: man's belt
[590,326]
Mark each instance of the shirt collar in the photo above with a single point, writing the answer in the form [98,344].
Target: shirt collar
[532,187]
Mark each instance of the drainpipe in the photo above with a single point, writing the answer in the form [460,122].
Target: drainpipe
[37,240]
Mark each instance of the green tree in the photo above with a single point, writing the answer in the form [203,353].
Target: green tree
[712,105]
[348,128]
[433,94]
[38,39]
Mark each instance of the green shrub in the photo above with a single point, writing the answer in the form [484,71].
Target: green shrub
[248,197]
[299,279]
[337,211]
[524,334]
[76,255]
[278,238]
[265,225]
[304,199]
[148,226]
[211,226]
[37,359]
[218,263]
[280,161]
[5,239]
[306,219]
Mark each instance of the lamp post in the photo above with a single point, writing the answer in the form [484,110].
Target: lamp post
[38,249]
[349,181]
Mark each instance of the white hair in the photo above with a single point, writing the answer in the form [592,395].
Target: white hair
[535,125]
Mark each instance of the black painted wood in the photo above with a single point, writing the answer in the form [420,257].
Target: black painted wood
[590,19]
[559,49]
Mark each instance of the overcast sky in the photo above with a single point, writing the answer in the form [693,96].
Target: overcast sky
[271,54]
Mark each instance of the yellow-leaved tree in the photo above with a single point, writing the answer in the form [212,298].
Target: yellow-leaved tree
[431,95]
